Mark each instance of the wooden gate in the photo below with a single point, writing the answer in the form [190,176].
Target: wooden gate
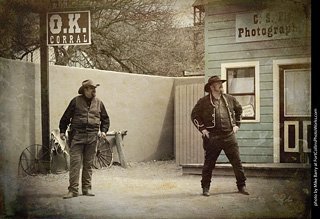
[188,141]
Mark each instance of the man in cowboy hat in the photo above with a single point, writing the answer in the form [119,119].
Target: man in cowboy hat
[87,115]
[217,116]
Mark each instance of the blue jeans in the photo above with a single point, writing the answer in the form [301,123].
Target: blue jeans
[213,146]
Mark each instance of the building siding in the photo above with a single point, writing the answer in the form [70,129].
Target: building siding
[255,139]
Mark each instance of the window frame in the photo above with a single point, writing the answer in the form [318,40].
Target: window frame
[255,65]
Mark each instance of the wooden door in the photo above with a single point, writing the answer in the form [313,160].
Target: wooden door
[295,113]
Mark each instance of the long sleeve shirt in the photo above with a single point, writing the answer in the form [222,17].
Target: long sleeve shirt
[207,115]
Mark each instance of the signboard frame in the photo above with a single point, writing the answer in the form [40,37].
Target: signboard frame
[270,25]
[69,30]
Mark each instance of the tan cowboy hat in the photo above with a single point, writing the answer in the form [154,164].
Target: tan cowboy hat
[87,83]
[212,80]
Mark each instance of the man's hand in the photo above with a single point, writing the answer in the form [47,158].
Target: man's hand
[62,136]
[102,135]
[205,133]
[235,129]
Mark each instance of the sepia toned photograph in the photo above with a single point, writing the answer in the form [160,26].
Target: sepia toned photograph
[174,109]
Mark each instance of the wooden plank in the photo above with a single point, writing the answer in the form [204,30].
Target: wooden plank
[185,130]
[266,110]
[214,26]
[226,40]
[200,142]
[256,142]
[254,134]
[261,169]
[266,118]
[176,125]
[220,18]
[119,145]
[224,43]
[272,44]
[248,158]
[213,66]
[188,135]
[265,85]
[183,122]
[200,93]
[255,54]
[257,126]
[266,101]
[266,93]
[256,151]
[266,77]
[192,129]
[216,34]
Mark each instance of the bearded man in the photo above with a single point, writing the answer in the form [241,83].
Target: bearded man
[86,115]
[217,116]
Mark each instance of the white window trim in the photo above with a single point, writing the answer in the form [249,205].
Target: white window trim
[255,64]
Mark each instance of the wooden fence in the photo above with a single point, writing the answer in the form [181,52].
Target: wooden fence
[188,142]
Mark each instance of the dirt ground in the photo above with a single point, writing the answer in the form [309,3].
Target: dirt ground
[159,190]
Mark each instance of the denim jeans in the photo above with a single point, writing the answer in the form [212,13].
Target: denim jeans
[213,146]
[82,152]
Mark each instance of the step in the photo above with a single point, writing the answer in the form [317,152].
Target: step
[255,169]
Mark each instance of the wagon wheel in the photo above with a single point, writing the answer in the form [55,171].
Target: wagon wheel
[104,155]
[32,159]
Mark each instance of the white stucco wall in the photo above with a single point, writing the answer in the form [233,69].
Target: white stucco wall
[141,104]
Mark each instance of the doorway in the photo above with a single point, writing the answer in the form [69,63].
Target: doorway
[295,113]
[296,130]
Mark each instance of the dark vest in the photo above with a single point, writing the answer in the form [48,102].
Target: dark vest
[86,118]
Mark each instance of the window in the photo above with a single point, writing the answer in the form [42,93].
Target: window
[297,92]
[243,83]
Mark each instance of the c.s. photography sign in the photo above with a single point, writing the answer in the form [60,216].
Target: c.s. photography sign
[68,28]
[270,25]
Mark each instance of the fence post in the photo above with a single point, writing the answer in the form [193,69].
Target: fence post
[119,145]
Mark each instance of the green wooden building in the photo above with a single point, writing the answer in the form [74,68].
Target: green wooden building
[263,49]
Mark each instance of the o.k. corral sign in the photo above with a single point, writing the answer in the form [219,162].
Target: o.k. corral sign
[68,28]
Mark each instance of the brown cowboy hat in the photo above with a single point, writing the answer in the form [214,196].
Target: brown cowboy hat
[87,83]
[212,80]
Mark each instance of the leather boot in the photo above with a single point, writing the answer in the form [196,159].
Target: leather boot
[243,190]
[205,192]
[70,195]
[87,193]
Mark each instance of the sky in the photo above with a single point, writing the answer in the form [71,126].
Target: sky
[185,9]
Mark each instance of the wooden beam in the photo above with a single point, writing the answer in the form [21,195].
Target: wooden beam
[119,145]
[44,68]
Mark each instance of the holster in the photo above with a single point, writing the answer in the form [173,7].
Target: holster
[71,134]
